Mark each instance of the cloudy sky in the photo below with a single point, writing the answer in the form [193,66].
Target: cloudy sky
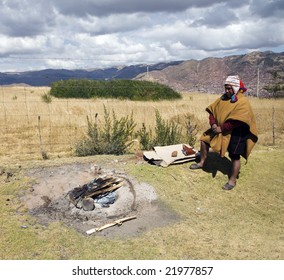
[39,34]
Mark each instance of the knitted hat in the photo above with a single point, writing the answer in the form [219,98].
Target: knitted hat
[242,87]
[233,81]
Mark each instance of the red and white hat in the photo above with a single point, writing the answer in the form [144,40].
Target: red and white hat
[233,81]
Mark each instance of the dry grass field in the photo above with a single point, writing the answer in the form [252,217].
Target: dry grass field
[245,223]
[25,117]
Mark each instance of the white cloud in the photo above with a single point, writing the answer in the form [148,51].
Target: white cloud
[21,45]
[35,34]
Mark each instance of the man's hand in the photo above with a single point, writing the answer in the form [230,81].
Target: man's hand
[216,128]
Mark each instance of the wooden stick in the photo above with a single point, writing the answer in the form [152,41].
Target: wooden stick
[43,153]
[117,222]
[108,189]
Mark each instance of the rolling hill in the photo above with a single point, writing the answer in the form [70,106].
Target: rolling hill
[262,73]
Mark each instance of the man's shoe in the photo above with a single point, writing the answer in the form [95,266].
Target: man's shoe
[228,187]
[195,166]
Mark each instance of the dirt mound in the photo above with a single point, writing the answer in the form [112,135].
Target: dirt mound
[47,199]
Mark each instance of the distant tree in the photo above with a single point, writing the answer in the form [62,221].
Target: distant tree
[277,87]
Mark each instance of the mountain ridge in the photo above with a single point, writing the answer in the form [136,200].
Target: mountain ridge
[260,71]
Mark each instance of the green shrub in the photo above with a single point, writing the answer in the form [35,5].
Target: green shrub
[114,136]
[276,90]
[145,138]
[191,130]
[46,98]
[110,138]
[168,132]
[120,89]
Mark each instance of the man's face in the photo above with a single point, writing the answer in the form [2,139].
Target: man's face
[229,91]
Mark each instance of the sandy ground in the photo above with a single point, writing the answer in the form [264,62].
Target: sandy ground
[47,200]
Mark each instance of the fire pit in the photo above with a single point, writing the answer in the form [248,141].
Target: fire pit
[87,196]
[100,190]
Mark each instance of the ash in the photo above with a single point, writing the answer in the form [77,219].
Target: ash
[47,199]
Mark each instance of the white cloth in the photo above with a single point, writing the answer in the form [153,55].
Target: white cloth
[162,155]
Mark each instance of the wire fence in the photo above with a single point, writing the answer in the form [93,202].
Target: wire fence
[30,133]
[30,125]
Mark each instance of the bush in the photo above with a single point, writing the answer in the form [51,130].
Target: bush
[46,97]
[121,89]
[145,138]
[114,135]
[111,138]
[191,130]
[277,90]
[168,132]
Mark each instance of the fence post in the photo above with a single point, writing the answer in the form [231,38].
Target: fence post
[43,153]
[273,125]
